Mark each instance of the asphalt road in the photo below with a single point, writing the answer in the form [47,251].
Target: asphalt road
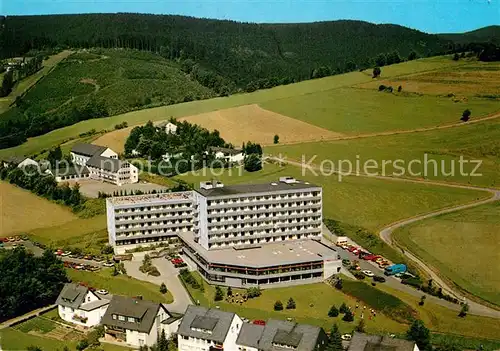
[168,275]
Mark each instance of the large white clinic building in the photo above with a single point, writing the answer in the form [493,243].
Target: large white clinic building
[243,235]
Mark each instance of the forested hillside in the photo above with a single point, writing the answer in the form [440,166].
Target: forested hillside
[241,52]
[485,35]
[93,84]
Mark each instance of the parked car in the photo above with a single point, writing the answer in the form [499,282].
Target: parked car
[370,257]
[395,268]
[368,273]
[379,278]
[346,262]
[102,292]
[346,337]
[259,322]
[108,264]
[67,253]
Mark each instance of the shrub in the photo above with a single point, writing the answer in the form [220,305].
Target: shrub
[381,87]
[333,312]
[412,281]
[82,345]
[219,294]
[466,115]
[290,305]
[163,288]
[343,308]
[278,306]
[253,292]
[348,316]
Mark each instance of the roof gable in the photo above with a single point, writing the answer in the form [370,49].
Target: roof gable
[88,150]
[210,324]
[108,164]
[72,295]
[143,312]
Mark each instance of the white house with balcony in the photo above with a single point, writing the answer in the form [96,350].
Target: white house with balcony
[137,322]
[205,329]
[78,305]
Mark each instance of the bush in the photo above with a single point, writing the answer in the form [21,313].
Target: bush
[219,294]
[376,72]
[278,306]
[290,305]
[343,308]
[253,292]
[465,115]
[82,345]
[381,87]
[348,316]
[412,281]
[163,288]
[333,312]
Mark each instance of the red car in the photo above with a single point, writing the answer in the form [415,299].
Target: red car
[177,261]
[352,248]
[259,322]
[370,257]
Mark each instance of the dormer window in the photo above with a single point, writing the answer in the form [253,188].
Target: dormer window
[131,319]
[121,318]
[114,316]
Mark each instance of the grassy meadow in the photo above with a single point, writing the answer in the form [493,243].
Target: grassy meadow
[476,141]
[55,137]
[367,202]
[462,246]
[354,111]
[120,284]
[312,305]
[22,211]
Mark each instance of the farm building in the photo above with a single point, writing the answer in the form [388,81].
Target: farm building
[101,163]
[20,161]
[227,154]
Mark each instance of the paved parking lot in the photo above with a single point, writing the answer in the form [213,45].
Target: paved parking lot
[91,188]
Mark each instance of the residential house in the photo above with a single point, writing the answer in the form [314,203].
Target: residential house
[277,335]
[137,322]
[19,161]
[169,127]
[79,305]
[227,154]
[205,329]
[365,342]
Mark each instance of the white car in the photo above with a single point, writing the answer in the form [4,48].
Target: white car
[102,292]
[346,337]
[108,264]
[67,253]
[368,273]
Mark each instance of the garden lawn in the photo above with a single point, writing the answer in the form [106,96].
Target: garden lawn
[13,339]
[354,111]
[439,319]
[37,324]
[56,137]
[367,202]
[23,211]
[463,246]
[120,285]
[479,141]
[313,302]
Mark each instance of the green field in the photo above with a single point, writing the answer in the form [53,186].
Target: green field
[471,261]
[476,141]
[120,285]
[13,339]
[48,140]
[312,304]
[354,111]
[367,202]
[440,319]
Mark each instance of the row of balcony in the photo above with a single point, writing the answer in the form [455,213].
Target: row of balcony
[243,238]
[239,206]
[262,217]
[153,218]
[246,200]
[154,209]
[265,221]
[245,211]
[259,227]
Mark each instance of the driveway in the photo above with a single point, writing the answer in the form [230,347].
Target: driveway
[168,276]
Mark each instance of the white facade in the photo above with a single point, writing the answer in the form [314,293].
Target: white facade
[25,162]
[87,317]
[145,219]
[187,343]
[81,160]
[170,128]
[234,158]
[126,174]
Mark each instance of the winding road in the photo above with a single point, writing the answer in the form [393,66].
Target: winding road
[385,234]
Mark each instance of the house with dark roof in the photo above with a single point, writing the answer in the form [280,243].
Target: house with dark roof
[137,322]
[79,305]
[365,342]
[281,335]
[19,161]
[208,329]
[102,163]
